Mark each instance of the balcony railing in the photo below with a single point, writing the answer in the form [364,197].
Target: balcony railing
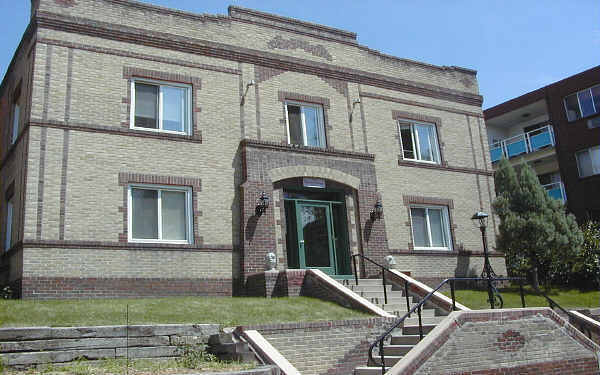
[523,143]
[556,190]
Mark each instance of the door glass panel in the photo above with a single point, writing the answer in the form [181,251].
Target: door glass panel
[173,215]
[436,226]
[340,233]
[419,227]
[295,125]
[313,128]
[144,214]
[585,100]
[316,236]
[174,103]
[146,106]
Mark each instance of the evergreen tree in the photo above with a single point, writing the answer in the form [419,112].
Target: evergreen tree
[535,232]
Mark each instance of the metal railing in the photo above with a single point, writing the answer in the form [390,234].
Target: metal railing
[556,190]
[524,143]
[383,269]
[379,342]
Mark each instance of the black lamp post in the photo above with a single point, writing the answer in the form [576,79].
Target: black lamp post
[480,219]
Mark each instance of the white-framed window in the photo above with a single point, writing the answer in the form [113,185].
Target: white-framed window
[15,127]
[160,214]
[430,227]
[305,124]
[419,141]
[8,225]
[583,103]
[161,107]
[588,161]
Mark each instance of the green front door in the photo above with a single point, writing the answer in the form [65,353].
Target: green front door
[315,236]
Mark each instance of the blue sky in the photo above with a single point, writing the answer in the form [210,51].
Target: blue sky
[516,46]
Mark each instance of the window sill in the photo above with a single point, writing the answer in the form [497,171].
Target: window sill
[159,242]
[160,131]
[440,249]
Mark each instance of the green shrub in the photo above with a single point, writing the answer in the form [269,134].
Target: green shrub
[586,266]
[194,356]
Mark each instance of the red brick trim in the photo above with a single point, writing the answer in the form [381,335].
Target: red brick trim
[40,188]
[307,150]
[184,44]
[63,185]
[107,129]
[63,287]
[111,245]
[262,73]
[196,82]
[126,178]
[387,98]
[440,253]
[399,116]
[408,163]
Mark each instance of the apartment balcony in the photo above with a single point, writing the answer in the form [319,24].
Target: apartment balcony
[556,190]
[525,143]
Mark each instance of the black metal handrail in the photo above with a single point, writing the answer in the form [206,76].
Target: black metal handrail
[491,284]
[418,307]
[383,269]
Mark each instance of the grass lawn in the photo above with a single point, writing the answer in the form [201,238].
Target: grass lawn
[136,367]
[567,298]
[226,311]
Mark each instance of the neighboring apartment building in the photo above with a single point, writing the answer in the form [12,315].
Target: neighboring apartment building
[556,129]
[138,142]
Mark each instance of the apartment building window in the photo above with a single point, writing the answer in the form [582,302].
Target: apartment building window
[161,107]
[588,161]
[583,103]
[160,214]
[419,141]
[16,115]
[8,223]
[305,124]
[430,227]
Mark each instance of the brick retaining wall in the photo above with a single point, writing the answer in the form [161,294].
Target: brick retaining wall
[325,347]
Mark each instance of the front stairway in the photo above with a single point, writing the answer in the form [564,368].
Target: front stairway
[403,339]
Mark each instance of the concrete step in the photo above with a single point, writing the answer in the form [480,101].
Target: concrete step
[390,360]
[370,288]
[379,294]
[391,300]
[414,319]
[400,310]
[405,340]
[362,282]
[414,329]
[368,370]
[396,350]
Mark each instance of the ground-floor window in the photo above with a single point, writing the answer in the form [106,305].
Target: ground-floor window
[430,227]
[160,214]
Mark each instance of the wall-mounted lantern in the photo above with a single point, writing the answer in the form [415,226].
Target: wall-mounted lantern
[262,204]
[377,211]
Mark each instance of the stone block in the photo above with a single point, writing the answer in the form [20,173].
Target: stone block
[13,359]
[29,333]
[148,352]
[86,343]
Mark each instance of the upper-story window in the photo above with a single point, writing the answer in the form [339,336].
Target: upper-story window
[430,227]
[161,107]
[588,161]
[16,112]
[160,214]
[583,103]
[419,141]
[305,124]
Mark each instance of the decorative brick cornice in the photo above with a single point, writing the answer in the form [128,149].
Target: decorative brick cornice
[126,178]
[407,163]
[203,47]
[135,72]
[314,49]
[306,149]
[419,104]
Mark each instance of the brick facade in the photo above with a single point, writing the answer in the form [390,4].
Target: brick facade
[76,152]
[524,341]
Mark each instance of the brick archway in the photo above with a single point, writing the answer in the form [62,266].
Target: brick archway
[283,173]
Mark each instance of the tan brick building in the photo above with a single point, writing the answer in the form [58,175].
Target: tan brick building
[137,141]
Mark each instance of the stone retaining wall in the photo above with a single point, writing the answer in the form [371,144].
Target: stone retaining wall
[39,345]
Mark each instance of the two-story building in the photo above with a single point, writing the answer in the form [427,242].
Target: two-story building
[556,130]
[151,151]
